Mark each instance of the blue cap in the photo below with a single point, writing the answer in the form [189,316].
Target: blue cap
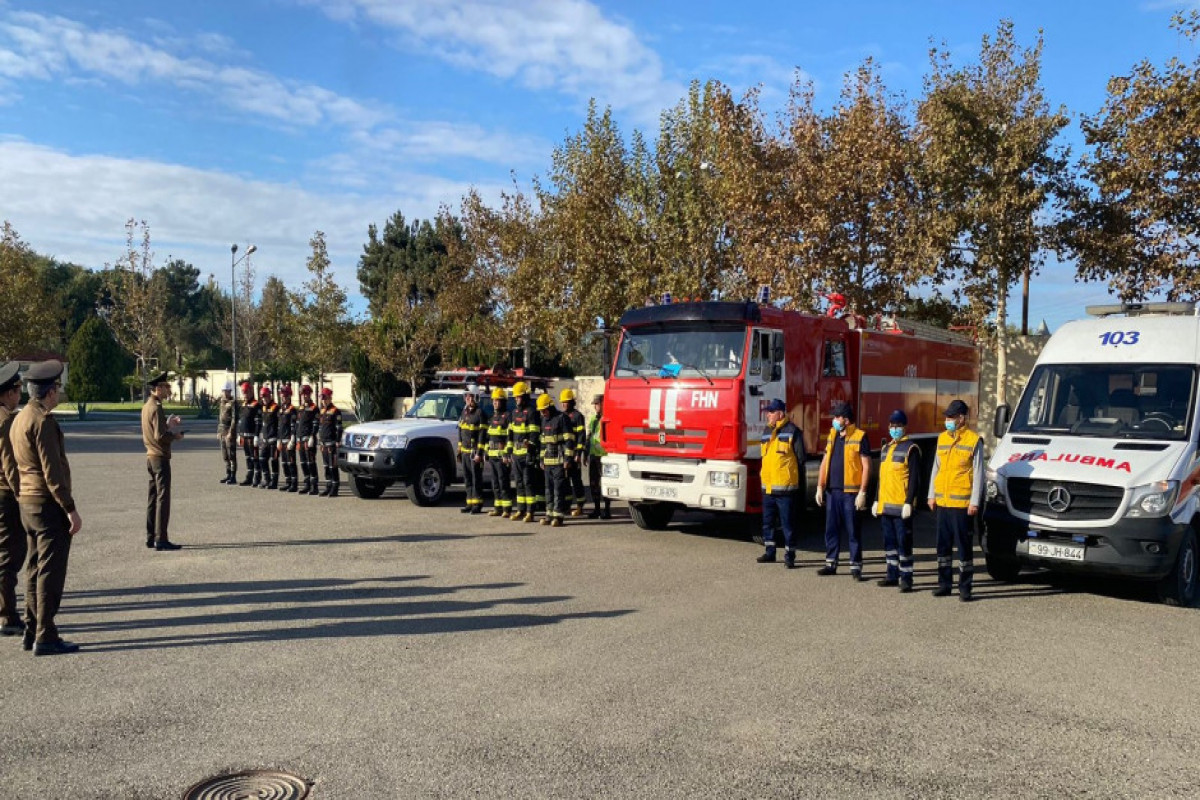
[776,405]
[898,417]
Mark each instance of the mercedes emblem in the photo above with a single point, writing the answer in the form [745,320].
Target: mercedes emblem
[1059,499]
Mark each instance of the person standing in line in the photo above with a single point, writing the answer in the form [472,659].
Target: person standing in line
[498,451]
[782,468]
[955,492]
[471,427]
[226,423]
[268,440]
[522,430]
[899,472]
[287,438]
[13,546]
[306,438]
[594,452]
[842,487]
[158,433]
[249,422]
[574,461]
[329,434]
[557,440]
[48,511]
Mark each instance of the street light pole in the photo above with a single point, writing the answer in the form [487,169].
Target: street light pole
[233,302]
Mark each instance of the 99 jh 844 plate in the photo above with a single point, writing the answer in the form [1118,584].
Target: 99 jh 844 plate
[1065,552]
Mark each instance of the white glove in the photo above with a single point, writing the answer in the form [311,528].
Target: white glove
[312,443]
[875,509]
[820,496]
[258,441]
[860,502]
[906,512]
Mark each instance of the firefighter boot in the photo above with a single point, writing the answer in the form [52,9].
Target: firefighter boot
[595,511]
[495,512]
[249,475]
[557,522]
[305,490]
[292,482]
[333,489]
[607,512]
[529,516]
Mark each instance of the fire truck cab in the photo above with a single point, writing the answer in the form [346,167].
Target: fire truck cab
[684,402]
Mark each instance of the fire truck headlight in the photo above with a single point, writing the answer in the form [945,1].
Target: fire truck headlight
[724,480]
[610,470]
[1152,500]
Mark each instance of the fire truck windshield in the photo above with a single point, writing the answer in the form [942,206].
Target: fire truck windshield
[683,351]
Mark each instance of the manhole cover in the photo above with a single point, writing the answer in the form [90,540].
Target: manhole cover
[259,784]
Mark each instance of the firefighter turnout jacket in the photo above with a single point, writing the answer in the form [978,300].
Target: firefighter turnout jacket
[472,427]
[557,438]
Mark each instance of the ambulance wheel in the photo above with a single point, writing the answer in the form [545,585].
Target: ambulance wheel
[367,488]
[1179,587]
[999,554]
[652,516]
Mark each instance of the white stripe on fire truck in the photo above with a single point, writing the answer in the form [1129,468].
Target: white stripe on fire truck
[654,419]
[671,420]
[891,384]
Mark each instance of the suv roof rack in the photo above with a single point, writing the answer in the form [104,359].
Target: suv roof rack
[1142,309]
[486,378]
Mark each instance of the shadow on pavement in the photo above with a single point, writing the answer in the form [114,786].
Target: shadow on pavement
[399,537]
[238,586]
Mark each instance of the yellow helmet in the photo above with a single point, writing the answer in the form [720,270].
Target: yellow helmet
[544,401]
[520,388]
[565,395]
[497,394]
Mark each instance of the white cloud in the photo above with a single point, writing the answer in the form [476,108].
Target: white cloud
[564,45]
[74,207]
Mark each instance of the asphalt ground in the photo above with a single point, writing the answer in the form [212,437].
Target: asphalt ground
[383,650]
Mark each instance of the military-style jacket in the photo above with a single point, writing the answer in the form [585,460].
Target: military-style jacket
[472,427]
[155,435]
[41,456]
[578,429]
[557,438]
[250,421]
[226,416]
[498,444]
[525,424]
[269,428]
[329,430]
[10,479]
[306,420]
[287,423]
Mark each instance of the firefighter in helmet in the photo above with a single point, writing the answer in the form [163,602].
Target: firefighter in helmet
[842,489]
[227,410]
[557,447]
[287,438]
[899,468]
[499,453]
[306,438]
[574,462]
[329,434]
[472,428]
[249,425]
[523,433]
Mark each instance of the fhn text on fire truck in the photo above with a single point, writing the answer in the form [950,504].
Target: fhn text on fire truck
[683,405]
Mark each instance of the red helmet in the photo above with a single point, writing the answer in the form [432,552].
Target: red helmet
[306,389]
[327,392]
[286,389]
[266,391]
[246,387]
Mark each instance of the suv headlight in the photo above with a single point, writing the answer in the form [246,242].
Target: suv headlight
[724,480]
[1153,499]
[393,442]
[610,470]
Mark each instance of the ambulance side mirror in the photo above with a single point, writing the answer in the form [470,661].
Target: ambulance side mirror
[1000,423]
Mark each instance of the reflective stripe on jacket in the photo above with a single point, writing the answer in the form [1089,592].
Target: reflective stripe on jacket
[952,483]
[498,444]
[852,456]
[897,478]
[782,458]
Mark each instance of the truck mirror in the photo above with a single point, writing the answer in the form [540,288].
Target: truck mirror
[1000,424]
[776,372]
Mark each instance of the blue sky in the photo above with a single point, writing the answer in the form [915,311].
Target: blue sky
[264,120]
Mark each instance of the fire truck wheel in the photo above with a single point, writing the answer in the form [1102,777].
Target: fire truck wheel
[1179,587]
[652,516]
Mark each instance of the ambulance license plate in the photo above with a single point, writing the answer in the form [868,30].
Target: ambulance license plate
[1065,552]
[665,492]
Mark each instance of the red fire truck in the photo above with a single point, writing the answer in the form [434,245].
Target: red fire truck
[683,404]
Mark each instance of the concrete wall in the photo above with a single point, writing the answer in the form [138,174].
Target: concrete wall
[340,382]
[1023,352]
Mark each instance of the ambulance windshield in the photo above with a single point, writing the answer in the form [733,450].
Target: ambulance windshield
[1108,400]
[682,351]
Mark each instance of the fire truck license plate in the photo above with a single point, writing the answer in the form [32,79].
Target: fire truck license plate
[669,492]
[1066,552]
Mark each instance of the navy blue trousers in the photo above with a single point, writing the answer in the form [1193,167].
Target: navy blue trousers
[840,516]
[898,547]
[954,528]
[780,509]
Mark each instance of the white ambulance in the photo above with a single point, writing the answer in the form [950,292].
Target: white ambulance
[1097,468]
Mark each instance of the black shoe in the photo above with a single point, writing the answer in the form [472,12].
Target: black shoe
[27,640]
[224,480]
[150,542]
[167,545]
[249,479]
[12,629]
[333,492]
[605,514]
[789,561]
[888,582]
[328,488]
[765,559]
[905,587]
[594,514]
[941,591]
[292,487]
[58,647]
[965,597]
[856,575]
[477,510]
[827,570]
[465,510]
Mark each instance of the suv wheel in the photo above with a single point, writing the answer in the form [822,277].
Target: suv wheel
[1179,587]
[428,484]
[367,488]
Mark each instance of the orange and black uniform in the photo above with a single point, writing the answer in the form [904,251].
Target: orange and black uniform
[268,444]
[329,434]
[249,422]
[306,443]
[287,445]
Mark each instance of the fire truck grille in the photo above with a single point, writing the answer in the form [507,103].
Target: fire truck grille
[683,440]
[1087,500]
[663,477]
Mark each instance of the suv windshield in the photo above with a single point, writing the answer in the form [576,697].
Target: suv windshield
[1112,400]
[682,351]
[435,405]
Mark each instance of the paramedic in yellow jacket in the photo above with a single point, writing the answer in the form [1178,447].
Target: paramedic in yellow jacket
[955,491]
[899,471]
[782,467]
[842,489]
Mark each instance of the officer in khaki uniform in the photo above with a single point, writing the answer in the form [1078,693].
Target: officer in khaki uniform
[955,492]
[226,422]
[12,535]
[47,507]
[158,432]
